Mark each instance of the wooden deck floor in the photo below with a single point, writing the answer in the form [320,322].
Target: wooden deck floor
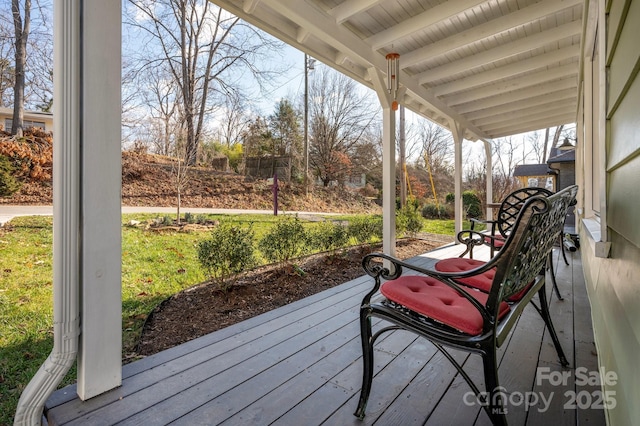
[301,365]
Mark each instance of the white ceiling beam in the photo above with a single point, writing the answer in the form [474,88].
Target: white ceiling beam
[420,22]
[249,6]
[500,52]
[340,58]
[322,26]
[347,9]
[536,101]
[504,86]
[482,31]
[527,126]
[518,95]
[339,47]
[528,113]
[508,71]
[302,35]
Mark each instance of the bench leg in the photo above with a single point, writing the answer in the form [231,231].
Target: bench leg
[495,406]
[367,359]
[544,313]
[553,276]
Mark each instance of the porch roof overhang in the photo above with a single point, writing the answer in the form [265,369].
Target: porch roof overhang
[496,68]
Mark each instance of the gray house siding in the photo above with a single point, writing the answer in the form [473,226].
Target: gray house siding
[614,283]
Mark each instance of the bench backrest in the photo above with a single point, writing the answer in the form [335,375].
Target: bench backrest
[537,227]
[512,204]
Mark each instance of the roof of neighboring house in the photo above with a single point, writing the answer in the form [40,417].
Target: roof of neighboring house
[531,170]
[27,113]
[562,156]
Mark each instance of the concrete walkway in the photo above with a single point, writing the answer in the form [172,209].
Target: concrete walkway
[8,212]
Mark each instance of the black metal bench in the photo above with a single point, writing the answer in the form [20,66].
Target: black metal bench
[451,312]
[499,229]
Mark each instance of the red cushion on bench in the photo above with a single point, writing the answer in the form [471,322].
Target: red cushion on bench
[434,299]
[460,264]
[481,282]
[498,241]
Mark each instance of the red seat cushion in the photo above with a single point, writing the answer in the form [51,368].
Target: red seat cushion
[497,241]
[481,281]
[434,299]
[460,264]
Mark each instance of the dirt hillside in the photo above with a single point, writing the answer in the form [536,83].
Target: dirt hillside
[149,180]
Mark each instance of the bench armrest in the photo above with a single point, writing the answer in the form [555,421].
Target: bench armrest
[471,239]
[373,267]
[487,222]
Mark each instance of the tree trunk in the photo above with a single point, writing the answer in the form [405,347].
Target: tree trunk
[546,145]
[22,33]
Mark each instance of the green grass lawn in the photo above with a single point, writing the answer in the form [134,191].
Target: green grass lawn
[154,266]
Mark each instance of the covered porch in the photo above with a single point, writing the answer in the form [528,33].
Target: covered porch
[483,69]
[301,365]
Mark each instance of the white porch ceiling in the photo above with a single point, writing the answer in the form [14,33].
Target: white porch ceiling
[497,67]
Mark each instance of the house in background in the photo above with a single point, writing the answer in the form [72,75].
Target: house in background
[42,120]
[562,163]
[538,175]
[558,173]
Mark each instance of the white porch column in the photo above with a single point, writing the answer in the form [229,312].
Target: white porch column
[389,180]
[388,162]
[86,206]
[457,132]
[489,187]
[100,351]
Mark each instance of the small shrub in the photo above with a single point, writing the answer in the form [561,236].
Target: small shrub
[450,197]
[470,202]
[229,251]
[366,228]
[285,241]
[409,220]
[201,219]
[433,211]
[8,183]
[328,236]
[189,218]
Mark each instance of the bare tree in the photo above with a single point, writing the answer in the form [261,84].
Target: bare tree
[21,25]
[535,146]
[26,51]
[340,115]
[554,142]
[39,66]
[504,163]
[436,155]
[160,98]
[7,73]
[180,175]
[202,45]
[235,119]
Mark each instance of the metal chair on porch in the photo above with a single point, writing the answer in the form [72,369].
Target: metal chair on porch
[447,309]
[499,229]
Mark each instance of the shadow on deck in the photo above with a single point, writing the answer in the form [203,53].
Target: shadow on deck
[301,365]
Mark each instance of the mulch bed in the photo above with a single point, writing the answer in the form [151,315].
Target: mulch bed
[205,308]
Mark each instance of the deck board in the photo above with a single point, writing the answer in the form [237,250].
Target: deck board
[301,364]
